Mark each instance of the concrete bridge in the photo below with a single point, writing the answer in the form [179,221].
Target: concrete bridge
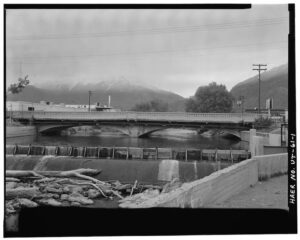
[135,124]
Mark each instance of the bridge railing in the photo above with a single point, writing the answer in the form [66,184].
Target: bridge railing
[137,116]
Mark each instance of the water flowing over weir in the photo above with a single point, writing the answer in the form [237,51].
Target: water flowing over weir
[149,165]
[153,172]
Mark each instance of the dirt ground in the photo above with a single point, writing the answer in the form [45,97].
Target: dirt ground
[267,194]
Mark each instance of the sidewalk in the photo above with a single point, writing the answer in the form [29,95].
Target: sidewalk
[267,194]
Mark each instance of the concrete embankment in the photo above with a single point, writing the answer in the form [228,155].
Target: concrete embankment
[20,131]
[150,171]
[220,185]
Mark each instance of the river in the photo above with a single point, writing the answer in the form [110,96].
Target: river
[167,138]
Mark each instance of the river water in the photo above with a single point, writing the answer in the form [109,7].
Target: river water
[172,139]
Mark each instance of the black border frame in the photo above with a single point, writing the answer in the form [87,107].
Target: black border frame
[48,222]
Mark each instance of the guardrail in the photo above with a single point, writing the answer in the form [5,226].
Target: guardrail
[137,116]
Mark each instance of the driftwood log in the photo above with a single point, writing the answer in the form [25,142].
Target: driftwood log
[78,173]
[22,192]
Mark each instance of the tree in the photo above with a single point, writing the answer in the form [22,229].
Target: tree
[152,106]
[15,88]
[211,98]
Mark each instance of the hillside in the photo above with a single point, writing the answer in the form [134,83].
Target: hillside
[274,83]
[124,95]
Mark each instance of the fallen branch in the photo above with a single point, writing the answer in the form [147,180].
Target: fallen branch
[11,179]
[21,173]
[79,173]
[133,187]
[70,181]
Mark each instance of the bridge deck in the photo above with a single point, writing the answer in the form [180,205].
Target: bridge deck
[136,116]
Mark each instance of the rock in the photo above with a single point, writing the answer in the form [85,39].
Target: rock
[66,189]
[75,188]
[24,202]
[93,193]
[9,207]
[11,185]
[53,190]
[75,204]
[77,197]
[64,197]
[48,195]
[22,192]
[50,202]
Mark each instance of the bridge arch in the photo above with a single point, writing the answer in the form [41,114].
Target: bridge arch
[230,133]
[130,130]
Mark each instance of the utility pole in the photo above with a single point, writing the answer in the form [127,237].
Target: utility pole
[90,93]
[259,69]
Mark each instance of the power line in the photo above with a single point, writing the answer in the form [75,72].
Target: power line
[176,29]
[147,52]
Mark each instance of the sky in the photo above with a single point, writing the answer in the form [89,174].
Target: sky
[174,50]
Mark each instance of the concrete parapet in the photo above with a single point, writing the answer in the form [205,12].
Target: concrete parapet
[271,165]
[220,185]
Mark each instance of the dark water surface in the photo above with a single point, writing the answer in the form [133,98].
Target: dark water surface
[184,141]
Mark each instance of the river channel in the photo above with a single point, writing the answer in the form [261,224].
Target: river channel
[166,138]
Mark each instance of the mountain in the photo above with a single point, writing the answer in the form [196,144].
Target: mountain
[124,94]
[274,84]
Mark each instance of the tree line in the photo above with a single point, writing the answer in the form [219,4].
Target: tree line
[212,98]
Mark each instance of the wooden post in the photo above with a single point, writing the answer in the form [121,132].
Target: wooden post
[29,149]
[127,154]
[113,153]
[15,149]
[200,155]
[216,155]
[99,148]
[57,151]
[71,151]
[84,152]
[44,150]
[231,157]
[186,155]
[156,153]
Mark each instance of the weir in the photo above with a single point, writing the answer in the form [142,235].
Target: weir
[132,153]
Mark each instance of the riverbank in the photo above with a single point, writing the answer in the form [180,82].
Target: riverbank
[267,194]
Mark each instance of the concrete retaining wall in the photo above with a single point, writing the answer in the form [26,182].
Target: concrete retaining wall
[17,131]
[274,150]
[220,185]
[271,165]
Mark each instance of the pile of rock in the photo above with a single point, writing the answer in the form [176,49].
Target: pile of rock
[66,188]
